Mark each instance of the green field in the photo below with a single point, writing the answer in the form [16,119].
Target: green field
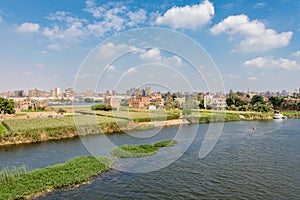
[136,115]
[72,172]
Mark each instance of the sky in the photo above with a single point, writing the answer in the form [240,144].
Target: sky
[245,44]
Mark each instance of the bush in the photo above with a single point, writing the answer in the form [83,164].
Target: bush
[101,107]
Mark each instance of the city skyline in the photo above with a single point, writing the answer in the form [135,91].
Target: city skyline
[254,44]
[144,91]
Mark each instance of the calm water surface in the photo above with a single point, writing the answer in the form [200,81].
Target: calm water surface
[245,164]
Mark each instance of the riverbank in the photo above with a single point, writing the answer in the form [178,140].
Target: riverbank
[18,131]
[79,170]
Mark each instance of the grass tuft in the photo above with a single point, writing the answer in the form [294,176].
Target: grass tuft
[70,173]
[132,151]
[167,143]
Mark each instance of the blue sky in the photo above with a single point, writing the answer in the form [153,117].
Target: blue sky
[255,44]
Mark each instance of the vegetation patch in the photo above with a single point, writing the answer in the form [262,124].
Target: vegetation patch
[167,143]
[18,185]
[2,130]
[132,151]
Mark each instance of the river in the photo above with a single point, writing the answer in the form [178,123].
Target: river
[263,163]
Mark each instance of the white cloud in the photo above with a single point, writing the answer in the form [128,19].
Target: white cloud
[90,3]
[131,70]
[188,17]
[53,33]
[252,78]
[154,55]
[136,18]
[233,76]
[272,62]
[55,47]
[296,54]
[28,27]
[114,18]
[111,68]
[260,5]
[66,27]
[111,50]
[257,37]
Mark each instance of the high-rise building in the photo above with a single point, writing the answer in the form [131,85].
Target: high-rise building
[69,93]
[89,93]
[148,91]
[19,93]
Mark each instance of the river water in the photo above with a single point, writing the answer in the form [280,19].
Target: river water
[244,164]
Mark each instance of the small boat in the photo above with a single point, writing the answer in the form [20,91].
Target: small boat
[279,116]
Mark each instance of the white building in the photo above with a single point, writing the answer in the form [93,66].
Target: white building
[216,102]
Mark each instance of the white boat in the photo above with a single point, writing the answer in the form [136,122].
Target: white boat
[279,116]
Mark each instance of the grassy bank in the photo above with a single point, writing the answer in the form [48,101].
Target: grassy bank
[71,173]
[291,114]
[42,129]
[204,116]
[15,131]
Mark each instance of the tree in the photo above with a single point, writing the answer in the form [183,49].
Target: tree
[276,101]
[201,104]
[7,106]
[257,99]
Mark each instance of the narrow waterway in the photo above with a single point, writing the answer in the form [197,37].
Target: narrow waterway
[263,163]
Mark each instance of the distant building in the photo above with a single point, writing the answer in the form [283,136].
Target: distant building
[157,100]
[19,93]
[69,93]
[139,102]
[181,101]
[89,93]
[147,91]
[110,93]
[56,93]
[113,102]
[37,93]
[216,102]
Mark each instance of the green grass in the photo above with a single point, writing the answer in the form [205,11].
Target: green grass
[133,151]
[34,111]
[72,172]
[291,114]
[167,143]
[8,175]
[2,130]
[136,115]
[207,116]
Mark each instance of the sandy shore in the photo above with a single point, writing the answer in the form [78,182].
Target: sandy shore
[174,122]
